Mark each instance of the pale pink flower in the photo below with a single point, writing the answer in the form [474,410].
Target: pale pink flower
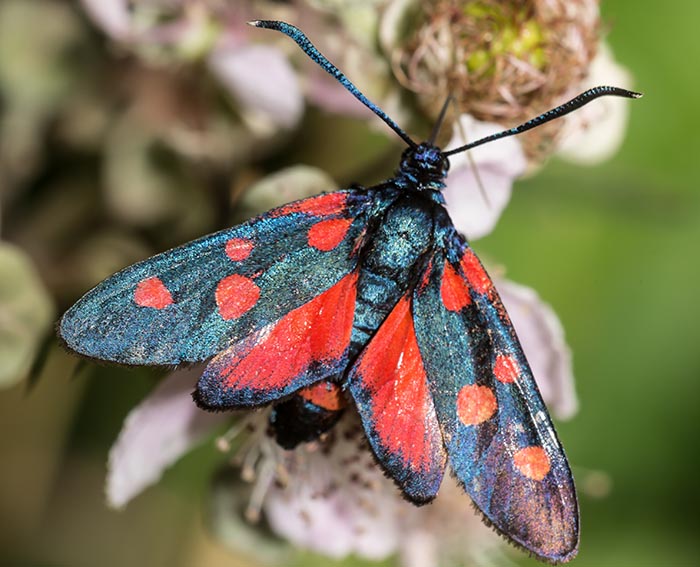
[595,133]
[480,181]
[156,433]
[113,16]
[336,501]
[542,337]
[259,77]
[273,95]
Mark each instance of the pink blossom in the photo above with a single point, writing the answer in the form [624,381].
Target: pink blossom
[338,502]
[542,337]
[113,16]
[273,95]
[194,30]
[594,133]
[480,181]
[156,433]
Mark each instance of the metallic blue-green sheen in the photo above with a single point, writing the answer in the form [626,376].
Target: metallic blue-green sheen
[106,324]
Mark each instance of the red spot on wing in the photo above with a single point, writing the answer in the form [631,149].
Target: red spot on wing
[238,249]
[425,278]
[152,292]
[391,370]
[327,234]
[321,206]
[326,395]
[475,404]
[317,332]
[454,290]
[235,295]
[476,275]
[532,462]
[506,369]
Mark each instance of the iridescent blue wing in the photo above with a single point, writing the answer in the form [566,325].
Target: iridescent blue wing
[192,302]
[500,441]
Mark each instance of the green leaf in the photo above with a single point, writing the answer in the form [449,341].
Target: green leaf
[290,184]
[26,314]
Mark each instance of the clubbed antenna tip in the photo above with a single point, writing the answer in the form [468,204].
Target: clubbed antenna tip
[561,110]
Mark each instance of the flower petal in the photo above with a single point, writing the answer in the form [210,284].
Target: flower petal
[479,183]
[262,80]
[113,16]
[326,93]
[337,502]
[542,337]
[228,499]
[331,497]
[420,549]
[155,434]
[450,531]
[595,132]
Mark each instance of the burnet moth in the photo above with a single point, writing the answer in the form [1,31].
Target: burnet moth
[366,297]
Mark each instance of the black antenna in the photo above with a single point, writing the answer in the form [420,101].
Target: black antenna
[310,49]
[441,117]
[561,110]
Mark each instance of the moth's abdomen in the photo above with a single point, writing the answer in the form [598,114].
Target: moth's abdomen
[308,414]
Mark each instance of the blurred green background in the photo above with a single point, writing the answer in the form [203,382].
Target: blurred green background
[613,248]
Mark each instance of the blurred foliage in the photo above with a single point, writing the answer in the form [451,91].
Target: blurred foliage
[104,161]
[26,312]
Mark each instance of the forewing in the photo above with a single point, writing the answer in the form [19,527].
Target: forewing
[189,303]
[501,443]
[388,383]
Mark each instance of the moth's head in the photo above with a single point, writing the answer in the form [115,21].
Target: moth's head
[425,162]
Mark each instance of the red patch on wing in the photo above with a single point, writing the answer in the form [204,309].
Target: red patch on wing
[478,278]
[327,234]
[326,395]
[506,369]
[391,371]
[532,462]
[235,295]
[475,404]
[454,290]
[317,332]
[321,206]
[238,249]
[425,278]
[152,292]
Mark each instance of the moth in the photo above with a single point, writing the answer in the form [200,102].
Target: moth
[364,297]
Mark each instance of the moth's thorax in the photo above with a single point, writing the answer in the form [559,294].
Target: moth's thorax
[423,168]
[393,256]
